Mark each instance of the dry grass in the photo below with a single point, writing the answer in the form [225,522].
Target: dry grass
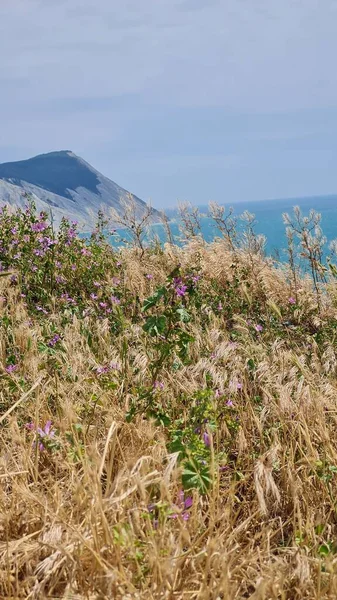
[81,529]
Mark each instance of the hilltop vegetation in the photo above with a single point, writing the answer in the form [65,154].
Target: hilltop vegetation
[168,415]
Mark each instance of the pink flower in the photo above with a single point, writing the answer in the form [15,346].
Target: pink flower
[149,276]
[183,504]
[46,431]
[229,403]
[42,435]
[11,368]
[115,300]
[291,300]
[158,385]
[258,328]
[40,226]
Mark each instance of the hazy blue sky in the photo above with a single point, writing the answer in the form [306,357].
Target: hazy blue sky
[176,99]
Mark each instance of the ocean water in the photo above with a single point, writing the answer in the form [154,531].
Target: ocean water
[268,214]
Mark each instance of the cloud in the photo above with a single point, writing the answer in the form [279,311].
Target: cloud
[172,82]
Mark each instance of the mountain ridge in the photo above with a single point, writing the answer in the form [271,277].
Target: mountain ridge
[66,185]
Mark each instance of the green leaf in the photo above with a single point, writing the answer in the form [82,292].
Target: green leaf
[155,325]
[196,475]
[160,417]
[251,365]
[319,529]
[185,317]
[324,549]
[177,444]
[154,299]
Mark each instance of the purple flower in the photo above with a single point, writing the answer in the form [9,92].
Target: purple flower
[258,328]
[93,296]
[103,369]
[158,385]
[66,298]
[40,226]
[220,307]
[207,439]
[229,403]
[41,309]
[43,435]
[71,233]
[239,386]
[181,290]
[183,504]
[54,340]
[11,368]
[115,300]
[292,300]
[47,430]
[188,502]
[149,276]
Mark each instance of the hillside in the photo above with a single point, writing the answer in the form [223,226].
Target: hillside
[167,419]
[65,184]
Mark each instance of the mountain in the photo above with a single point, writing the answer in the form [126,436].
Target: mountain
[66,185]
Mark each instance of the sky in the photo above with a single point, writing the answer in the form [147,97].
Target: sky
[198,100]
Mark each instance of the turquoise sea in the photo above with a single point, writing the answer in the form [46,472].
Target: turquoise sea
[268,215]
